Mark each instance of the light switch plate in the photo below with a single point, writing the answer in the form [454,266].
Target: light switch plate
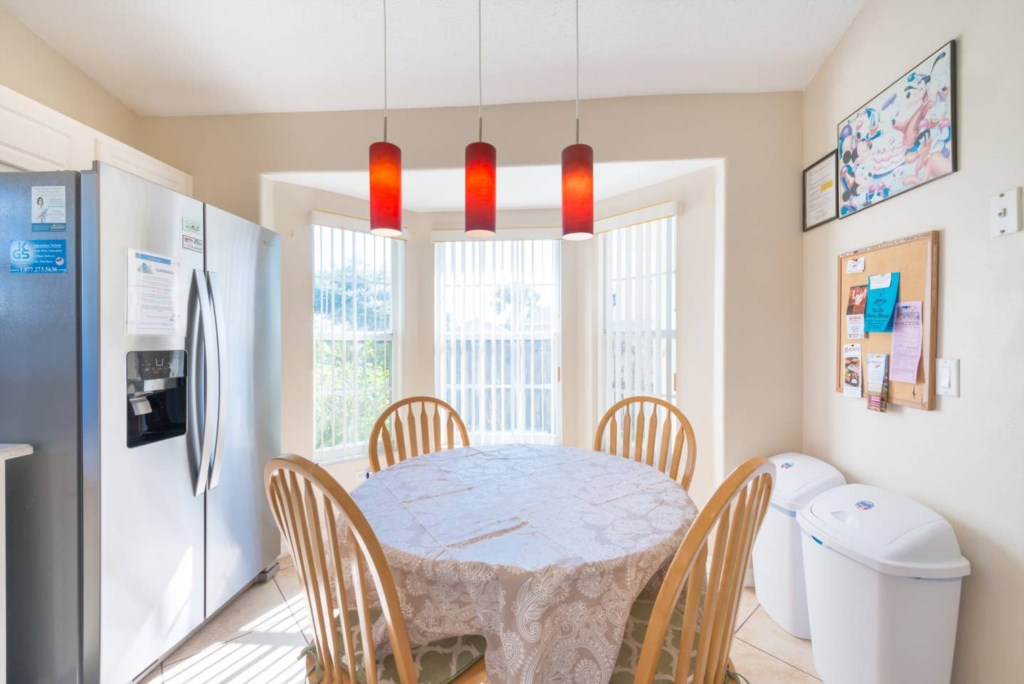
[947,377]
[1005,213]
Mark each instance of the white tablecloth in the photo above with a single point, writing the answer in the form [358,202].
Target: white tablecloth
[540,549]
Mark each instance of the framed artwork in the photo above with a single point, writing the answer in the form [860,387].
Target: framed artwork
[903,138]
[821,201]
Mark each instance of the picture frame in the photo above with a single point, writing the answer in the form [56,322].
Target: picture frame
[821,196]
[902,138]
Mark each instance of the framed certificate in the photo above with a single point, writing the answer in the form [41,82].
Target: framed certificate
[821,202]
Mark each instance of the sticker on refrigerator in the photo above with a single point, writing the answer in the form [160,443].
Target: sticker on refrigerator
[39,256]
[49,208]
[191,227]
[152,306]
[192,244]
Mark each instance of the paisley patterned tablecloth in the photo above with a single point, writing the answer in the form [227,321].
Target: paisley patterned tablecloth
[540,549]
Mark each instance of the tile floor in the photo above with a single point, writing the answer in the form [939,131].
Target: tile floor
[258,639]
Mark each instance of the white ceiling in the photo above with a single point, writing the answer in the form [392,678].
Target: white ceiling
[185,57]
[519,187]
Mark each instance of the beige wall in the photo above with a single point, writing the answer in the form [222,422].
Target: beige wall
[759,250]
[965,458]
[33,68]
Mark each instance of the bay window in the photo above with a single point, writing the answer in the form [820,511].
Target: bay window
[498,337]
[354,305]
[637,311]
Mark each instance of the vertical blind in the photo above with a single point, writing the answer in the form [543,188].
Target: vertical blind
[637,345]
[498,337]
[354,290]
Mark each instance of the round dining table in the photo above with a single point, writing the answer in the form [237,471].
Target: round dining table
[542,550]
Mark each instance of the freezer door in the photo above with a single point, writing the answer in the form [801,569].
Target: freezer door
[243,269]
[150,520]
[39,405]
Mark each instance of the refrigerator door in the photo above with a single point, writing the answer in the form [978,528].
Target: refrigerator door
[150,520]
[39,405]
[243,270]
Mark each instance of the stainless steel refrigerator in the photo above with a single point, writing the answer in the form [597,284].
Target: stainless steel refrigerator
[140,355]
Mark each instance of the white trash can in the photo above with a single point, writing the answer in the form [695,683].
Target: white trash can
[778,557]
[883,587]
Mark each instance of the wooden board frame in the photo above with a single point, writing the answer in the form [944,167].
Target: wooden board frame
[916,258]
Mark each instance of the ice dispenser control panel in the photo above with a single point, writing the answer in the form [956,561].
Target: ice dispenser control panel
[156,396]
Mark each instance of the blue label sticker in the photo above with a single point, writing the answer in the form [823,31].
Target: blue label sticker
[865,505]
[49,227]
[39,256]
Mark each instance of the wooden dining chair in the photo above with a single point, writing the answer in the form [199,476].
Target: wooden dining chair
[413,427]
[691,644]
[314,513]
[645,429]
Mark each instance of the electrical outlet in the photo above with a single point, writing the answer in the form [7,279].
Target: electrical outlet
[1005,213]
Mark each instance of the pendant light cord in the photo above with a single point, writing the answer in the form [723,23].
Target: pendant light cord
[577,72]
[480,66]
[385,2]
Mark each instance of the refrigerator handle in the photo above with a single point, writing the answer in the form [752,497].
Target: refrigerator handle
[200,353]
[217,461]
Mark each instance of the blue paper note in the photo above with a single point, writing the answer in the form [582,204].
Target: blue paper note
[883,289]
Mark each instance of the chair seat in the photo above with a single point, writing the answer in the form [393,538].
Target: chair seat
[633,643]
[438,662]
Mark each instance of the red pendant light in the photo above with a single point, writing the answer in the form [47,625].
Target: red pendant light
[385,189]
[578,192]
[481,189]
[385,170]
[481,161]
[577,173]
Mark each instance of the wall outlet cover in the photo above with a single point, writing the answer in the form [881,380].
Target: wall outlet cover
[1005,213]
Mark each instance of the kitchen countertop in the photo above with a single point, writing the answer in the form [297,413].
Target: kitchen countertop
[14,450]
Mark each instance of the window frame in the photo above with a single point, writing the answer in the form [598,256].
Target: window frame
[517,384]
[606,327]
[356,450]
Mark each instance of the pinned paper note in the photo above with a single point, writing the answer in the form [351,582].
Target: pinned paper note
[852,374]
[855,327]
[858,300]
[906,342]
[855,265]
[878,382]
[880,280]
[883,289]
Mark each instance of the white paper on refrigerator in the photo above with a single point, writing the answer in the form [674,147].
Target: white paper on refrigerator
[152,302]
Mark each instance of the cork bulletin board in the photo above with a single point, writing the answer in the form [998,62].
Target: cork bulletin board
[916,258]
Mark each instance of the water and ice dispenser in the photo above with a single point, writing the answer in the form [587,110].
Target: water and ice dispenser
[156,401]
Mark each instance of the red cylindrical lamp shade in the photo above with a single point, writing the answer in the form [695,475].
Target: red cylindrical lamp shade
[481,189]
[577,192]
[385,189]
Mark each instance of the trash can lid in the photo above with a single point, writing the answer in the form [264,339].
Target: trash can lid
[799,478]
[885,531]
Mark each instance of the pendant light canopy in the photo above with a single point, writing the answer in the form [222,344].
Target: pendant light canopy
[577,173]
[481,161]
[385,170]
